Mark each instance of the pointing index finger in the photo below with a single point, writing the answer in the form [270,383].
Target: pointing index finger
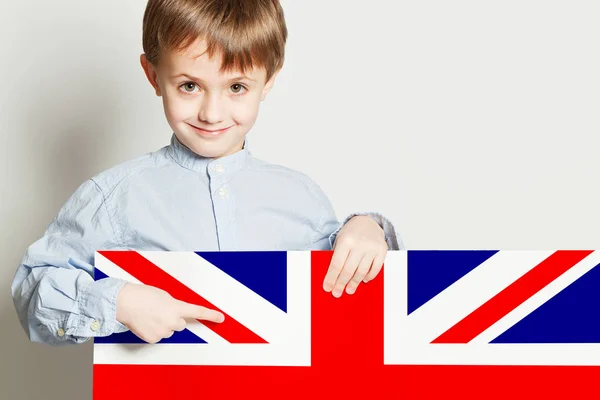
[194,311]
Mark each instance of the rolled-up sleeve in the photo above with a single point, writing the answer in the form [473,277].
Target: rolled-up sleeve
[392,237]
[54,292]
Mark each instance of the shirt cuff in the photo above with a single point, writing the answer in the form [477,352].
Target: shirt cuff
[97,314]
[393,239]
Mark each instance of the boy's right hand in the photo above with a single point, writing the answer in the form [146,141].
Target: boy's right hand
[152,314]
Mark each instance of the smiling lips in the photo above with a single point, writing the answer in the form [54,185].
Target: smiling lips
[209,133]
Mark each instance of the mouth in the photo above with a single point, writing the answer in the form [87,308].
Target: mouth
[208,132]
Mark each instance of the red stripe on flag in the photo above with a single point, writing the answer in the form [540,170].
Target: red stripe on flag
[512,296]
[341,327]
[149,274]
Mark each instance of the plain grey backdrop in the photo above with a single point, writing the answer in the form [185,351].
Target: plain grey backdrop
[470,124]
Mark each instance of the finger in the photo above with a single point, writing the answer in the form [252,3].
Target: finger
[179,325]
[335,267]
[359,275]
[168,335]
[347,273]
[194,311]
[146,338]
[150,336]
[376,267]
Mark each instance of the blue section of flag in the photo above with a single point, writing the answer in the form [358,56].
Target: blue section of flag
[99,274]
[431,271]
[184,336]
[569,317]
[264,272]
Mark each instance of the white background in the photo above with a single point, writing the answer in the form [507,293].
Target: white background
[470,124]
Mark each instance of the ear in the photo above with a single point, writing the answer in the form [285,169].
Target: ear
[150,73]
[269,85]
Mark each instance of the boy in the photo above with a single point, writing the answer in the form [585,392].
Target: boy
[212,62]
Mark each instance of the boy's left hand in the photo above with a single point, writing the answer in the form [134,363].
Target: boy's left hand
[358,255]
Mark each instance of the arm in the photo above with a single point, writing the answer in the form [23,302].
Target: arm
[360,244]
[54,293]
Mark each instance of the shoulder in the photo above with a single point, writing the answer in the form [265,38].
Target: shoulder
[126,171]
[92,193]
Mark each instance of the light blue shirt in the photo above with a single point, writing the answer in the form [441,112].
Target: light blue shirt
[167,200]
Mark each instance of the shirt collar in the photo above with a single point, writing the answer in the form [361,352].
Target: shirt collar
[192,161]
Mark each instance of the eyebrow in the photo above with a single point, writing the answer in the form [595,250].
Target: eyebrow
[237,78]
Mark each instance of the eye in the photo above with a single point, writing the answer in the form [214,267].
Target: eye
[188,87]
[237,88]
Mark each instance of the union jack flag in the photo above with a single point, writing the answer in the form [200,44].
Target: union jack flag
[468,323]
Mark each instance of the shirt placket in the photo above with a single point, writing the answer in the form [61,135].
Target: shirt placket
[223,205]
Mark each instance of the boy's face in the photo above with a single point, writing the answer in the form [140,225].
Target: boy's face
[209,112]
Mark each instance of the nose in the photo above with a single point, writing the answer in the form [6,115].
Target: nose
[210,110]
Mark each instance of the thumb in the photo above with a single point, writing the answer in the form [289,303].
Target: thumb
[194,311]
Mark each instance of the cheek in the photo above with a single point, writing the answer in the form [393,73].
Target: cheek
[245,112]
[179,109]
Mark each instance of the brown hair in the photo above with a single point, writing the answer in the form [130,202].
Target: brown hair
[246,33]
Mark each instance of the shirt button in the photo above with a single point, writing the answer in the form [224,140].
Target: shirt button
[219,168]
[61,332]
[222,192]
[95,326]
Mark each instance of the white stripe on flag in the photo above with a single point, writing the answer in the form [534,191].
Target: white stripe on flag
[539,298]
[197,328]
[469,293]
[407,340]
[296,351]
[234,298]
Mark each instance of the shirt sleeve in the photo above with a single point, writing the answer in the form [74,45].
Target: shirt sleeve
[54,293]
[392,237]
